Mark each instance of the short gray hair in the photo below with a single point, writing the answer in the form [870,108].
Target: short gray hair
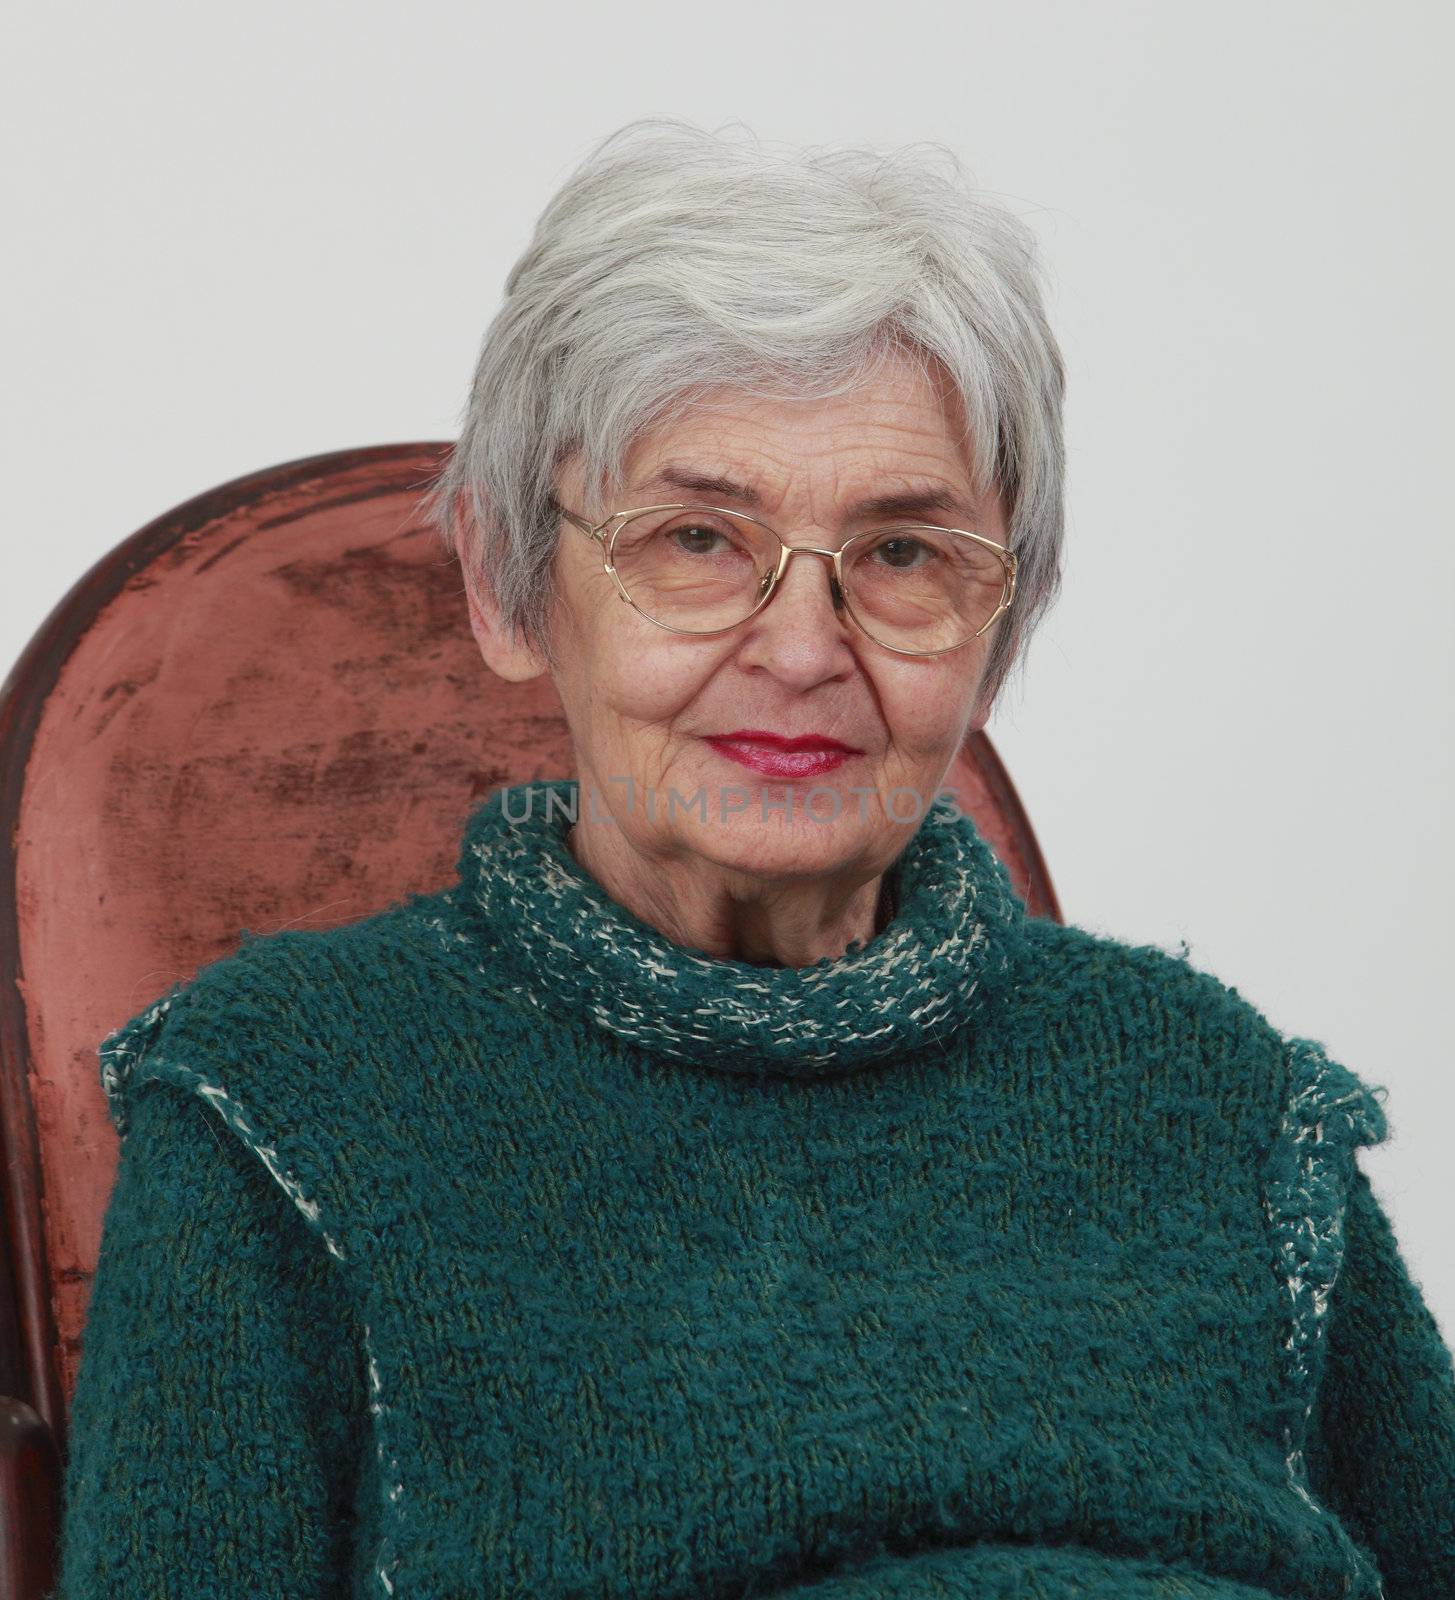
[674,261]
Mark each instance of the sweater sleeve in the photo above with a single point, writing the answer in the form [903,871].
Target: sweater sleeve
[1382,1438]
[220,1409]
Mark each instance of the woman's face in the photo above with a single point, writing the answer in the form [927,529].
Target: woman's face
[648,709]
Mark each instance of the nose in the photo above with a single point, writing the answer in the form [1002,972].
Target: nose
[805,585]
[836,595]
[801,634]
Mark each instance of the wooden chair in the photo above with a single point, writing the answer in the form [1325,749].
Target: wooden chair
[264,709]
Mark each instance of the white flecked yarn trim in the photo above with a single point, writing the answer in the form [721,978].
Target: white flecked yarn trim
[386,1561]
[1328,1112]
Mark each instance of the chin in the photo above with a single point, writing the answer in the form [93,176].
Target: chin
[765,841]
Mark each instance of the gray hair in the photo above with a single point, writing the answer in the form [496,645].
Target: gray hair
[674,261]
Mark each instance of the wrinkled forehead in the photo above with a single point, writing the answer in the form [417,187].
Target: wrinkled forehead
[901,430]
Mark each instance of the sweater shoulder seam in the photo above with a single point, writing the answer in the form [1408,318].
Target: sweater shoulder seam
[1328,1112]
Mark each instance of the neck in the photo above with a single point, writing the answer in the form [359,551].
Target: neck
[728,914]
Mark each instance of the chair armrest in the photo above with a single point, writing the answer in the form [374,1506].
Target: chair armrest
[30,1502]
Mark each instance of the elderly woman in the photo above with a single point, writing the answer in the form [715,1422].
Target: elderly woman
[726,1187]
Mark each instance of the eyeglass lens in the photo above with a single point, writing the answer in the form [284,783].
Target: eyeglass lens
[701,569]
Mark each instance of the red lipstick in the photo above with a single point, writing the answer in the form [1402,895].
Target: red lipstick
[805,755]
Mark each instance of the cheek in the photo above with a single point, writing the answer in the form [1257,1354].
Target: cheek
[927,707]
[626,673]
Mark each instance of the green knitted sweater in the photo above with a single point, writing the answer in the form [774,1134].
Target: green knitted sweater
[495,1245]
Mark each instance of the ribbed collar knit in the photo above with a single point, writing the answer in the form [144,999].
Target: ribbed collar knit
[568,949]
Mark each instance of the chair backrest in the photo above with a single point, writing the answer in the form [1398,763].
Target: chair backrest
[263,710]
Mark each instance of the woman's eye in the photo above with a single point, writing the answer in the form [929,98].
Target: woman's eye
[695,539]
[900,551]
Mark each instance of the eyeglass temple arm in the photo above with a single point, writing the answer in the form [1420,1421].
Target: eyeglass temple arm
[571,517]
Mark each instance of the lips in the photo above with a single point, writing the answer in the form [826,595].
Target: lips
[804,755]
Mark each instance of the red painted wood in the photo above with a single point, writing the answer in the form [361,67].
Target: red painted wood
[30,1509]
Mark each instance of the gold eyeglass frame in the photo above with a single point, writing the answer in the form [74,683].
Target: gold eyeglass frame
[786,552]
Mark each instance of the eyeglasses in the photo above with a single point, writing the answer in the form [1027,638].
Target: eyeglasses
[915,589]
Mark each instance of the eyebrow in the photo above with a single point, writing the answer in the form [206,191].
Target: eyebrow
[908,502]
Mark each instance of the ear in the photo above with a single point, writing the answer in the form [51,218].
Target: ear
[506,654]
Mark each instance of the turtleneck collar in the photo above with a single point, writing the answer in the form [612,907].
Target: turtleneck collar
[567,948]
